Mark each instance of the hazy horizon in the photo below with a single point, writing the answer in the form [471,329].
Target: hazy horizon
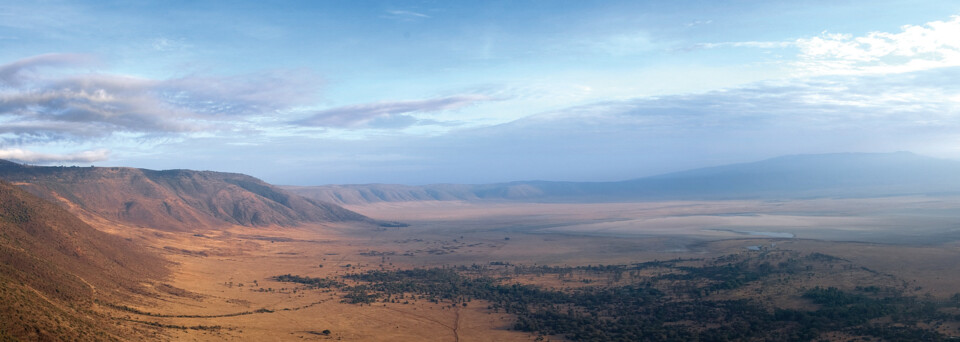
[411,92]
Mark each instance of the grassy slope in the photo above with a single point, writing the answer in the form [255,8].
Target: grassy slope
[173,199]
[53,266]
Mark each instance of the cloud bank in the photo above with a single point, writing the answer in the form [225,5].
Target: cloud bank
[875,92]
[616,140]
[935,44]
[46,158]
[916,47]
[45,99]
[910,101]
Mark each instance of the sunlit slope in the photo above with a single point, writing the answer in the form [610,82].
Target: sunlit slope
[172,199]
[53,266]
[799,176]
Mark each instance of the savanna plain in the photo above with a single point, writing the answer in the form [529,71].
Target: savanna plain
[832,269]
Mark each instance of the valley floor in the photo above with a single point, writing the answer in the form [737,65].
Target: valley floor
[223,286]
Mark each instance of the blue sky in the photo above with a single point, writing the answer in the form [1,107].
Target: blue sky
[415,92]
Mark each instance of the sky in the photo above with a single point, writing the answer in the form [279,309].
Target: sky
[420,92]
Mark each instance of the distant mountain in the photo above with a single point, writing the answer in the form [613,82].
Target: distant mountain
[52,267]
[837,175]
[171,199]
[370,193]
[798,176]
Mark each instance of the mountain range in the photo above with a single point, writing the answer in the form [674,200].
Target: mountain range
[54,266]
[171,199]
[796,176]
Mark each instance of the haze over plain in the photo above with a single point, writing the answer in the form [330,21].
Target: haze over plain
[419,92]
[543,170]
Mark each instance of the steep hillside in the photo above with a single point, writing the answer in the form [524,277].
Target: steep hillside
[172,199]
[844,175]
[53,266]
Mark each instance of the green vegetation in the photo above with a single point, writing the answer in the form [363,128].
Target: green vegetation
[175,326]
[311,282]
[708,300]
[152,314]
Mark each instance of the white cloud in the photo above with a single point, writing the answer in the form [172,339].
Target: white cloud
[916,47]
[748,44]
[45,158]
[403,15]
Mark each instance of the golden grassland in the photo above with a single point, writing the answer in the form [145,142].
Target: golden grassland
[221,286]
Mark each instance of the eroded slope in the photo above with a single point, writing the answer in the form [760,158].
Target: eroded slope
[53,267]
[172,199]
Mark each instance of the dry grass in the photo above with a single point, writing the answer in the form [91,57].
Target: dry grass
[223,278]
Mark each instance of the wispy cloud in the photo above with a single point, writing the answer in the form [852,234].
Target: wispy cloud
[26,156]
[748,44]
[915,110]
[615,140]
[163,44]
[42,98]
[404,15]
[387,113]
[699,23]
[256,93]
[906,101]
[13,74]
